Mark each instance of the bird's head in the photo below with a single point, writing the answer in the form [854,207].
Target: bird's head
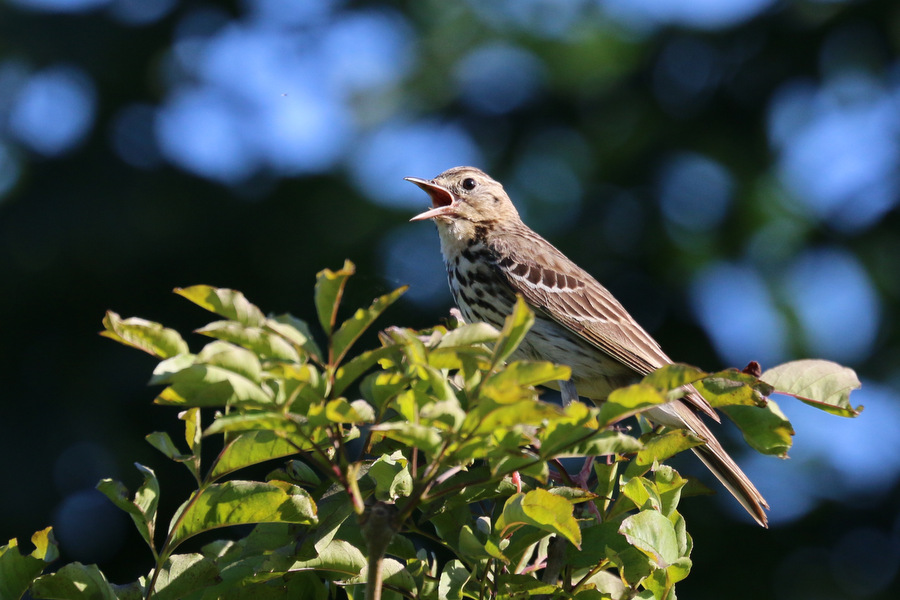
[464,197]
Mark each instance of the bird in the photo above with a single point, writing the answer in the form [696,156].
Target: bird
[492,257]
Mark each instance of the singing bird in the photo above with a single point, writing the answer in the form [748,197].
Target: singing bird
[491,256]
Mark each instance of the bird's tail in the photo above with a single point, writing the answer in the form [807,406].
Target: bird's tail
[733,478]
[679,414]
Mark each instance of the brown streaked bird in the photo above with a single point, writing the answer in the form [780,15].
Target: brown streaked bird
[491,256]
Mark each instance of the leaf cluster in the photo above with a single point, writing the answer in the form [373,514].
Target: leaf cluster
[428,467]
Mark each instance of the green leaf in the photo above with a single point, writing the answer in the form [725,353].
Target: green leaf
[141,508]
[628,401]
[515,327]
[192,430]
[392,477]
[662,581]
[394,574]
[256,339]
[426,439]
[230,304]
[819,383]
[543,510]
[242,503]
[452,581]
[340,557]
[329,289]
[250,448]
[654,535]
[17,570]
[352,328]
[221,374]
[523,373]
[355,367]
[74,581]
[673,376]
[767,429]
[152,338]
[163,442]
[659,448]
[295,331]
[183,574]
[469,334]
[732,387]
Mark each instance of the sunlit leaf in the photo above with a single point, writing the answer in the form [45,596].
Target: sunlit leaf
[230,304]
[529,374]
[18,570]
[256,339]
[654,535]
[515,327]
[152,338]
[424,438]
[673,376]
[329,290]
[351,370]
[733,387]
[295,331]
[659,448]
[469,335]
[819,383]
[250,448]
[242,503]
[352,328]
[628,401]
[543,510]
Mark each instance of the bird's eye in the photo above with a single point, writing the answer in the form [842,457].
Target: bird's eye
[468,184]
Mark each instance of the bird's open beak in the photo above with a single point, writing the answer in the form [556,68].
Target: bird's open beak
[442,199]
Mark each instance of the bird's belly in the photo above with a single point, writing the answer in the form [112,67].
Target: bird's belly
[594,373]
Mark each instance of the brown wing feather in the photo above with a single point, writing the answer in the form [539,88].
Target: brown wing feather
[568,294]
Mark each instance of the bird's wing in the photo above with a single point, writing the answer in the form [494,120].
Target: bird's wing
[568,294]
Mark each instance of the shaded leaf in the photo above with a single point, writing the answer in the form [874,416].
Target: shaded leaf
[74,581]
[152,338]
[141,508]
[766,429]
[452,581]
[242,503]
[183,574]
[340,557]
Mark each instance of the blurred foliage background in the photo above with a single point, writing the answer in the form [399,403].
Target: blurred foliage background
[730,169]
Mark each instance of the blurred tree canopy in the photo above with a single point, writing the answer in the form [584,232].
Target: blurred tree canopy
[729,168]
